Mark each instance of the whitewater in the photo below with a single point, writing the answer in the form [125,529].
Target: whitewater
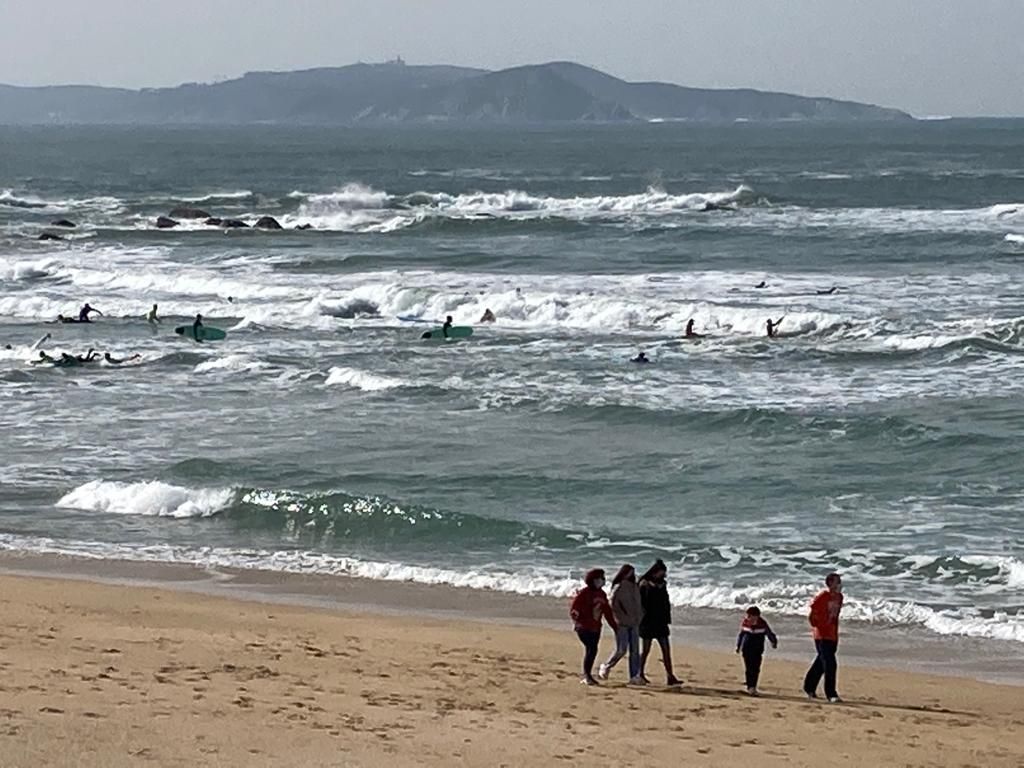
[876,435]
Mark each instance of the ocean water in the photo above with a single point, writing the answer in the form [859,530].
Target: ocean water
[878,435]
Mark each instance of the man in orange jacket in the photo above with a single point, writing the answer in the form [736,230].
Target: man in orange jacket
[824,619]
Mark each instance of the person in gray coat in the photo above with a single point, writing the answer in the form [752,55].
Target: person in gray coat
[628,612]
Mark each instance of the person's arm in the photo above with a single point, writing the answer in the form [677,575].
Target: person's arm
[771,636]
[577,606]
[739,640]
[818,604]
[609,614]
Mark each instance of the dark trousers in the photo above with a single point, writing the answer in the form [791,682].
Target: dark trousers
[590,640]
[752,665]
[824,664]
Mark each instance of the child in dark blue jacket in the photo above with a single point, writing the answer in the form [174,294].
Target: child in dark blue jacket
[750,643]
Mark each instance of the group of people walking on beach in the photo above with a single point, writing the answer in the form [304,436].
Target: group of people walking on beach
[640,612]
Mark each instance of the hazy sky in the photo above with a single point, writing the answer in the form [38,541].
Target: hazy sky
[931,57]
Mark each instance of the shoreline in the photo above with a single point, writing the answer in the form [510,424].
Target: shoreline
[865,646]
[98,671]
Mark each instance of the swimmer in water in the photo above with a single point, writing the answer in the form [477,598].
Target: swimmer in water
[641,358]
[690,333]
[773,326]
[488,317]
[762,284]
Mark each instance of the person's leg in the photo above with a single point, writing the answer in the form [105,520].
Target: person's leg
[666,658]
[827,652]
[621,646]
[752,665]
[620,651]
[633,641]
[590,643]
[644,653]
[814,673]
[589,651]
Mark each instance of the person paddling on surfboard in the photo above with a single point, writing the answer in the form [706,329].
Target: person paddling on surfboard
[83,313]
[773,326]
[690,333]
[641,358]
[118,360]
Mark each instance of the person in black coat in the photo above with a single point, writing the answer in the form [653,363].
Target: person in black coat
[657,617]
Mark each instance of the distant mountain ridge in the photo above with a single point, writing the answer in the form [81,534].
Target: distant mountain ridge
[396,92]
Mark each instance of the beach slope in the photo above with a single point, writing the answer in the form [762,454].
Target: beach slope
[102,675]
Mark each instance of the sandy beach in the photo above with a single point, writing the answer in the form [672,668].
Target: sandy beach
[113,675]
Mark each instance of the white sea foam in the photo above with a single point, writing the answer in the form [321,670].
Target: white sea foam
[357,379]
[359,208]
[147,498]
[206,197]
[1013,237]
[236,363]
[778,597]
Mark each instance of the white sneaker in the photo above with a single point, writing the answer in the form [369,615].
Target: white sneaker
[588,681]
[835,700]
[602,672]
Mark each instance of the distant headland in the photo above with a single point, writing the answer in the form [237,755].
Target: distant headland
[396,92]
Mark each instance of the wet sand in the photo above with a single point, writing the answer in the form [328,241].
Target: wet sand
[115,674]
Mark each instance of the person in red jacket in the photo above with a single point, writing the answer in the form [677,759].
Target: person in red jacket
[824,619]
[589,605]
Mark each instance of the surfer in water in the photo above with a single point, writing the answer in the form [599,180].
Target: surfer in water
[762,284]
[117,361]
[85,311]
[828,291]
[641,358]
[91,356]
[773,326]
[43,358]
[447,325]
[690,333]
[152,318]
[488,317]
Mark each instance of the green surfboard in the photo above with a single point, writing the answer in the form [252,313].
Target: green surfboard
[206,333]
[455,332]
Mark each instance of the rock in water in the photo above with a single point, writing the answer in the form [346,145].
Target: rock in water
[63,223]
[49,236]
[184,212]
[233,224]
[268,222]
[163,222]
